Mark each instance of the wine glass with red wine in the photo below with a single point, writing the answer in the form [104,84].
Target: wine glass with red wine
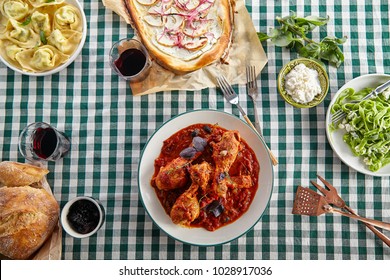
[41,141]
[130,60]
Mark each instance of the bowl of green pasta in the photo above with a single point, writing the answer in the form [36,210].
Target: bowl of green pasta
[41,37]
[362,138]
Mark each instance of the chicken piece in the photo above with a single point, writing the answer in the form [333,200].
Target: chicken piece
[173,175]
[220,184]
[200,174]
[243,181]
[224,182]
[186,208]
[226,150]
[224,154]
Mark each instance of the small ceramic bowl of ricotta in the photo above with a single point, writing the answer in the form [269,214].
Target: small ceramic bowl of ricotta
[303,83]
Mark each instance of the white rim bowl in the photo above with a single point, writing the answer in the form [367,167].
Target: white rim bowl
[200,236]
[71,58]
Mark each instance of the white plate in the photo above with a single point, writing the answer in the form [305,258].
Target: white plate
[336,138]
[72,58]
[200,236]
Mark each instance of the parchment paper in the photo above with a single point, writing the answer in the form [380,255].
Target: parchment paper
[245,49]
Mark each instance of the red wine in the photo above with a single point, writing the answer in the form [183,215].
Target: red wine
[45,142]
[131,62]
[83,216]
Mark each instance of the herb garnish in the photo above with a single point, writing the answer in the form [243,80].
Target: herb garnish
[26,22]
[292,34]
[43,37]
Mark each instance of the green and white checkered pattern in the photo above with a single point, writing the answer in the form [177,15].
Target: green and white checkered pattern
[109,127]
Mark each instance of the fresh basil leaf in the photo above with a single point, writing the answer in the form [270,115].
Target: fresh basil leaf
[331,52]
[338,41]
[298,45]
[292,33]
[284,28]
[26,22]
[302,30]
[291,45]
[310,50]
[291,17]
[318,21]
[290,20]
[43,37]
[281,38]
[307,26]
[262,36]
[335,58]
[49,1]
[330,41]
[329,45]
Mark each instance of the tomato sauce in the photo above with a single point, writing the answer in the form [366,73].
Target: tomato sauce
[237,200]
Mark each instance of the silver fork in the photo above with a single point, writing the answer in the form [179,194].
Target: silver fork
[251,82]
[232,97]
[340,114]
[252,89]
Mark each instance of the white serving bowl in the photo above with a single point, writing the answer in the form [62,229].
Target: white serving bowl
[60,67]
[200,236]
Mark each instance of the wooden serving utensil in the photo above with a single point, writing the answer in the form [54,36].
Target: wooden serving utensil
[310,203]
[332,197]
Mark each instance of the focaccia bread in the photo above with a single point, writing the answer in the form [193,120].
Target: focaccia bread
[183,35]
[27,218]
[20,174]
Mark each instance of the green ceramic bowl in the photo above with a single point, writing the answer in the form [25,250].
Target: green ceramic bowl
[322,75]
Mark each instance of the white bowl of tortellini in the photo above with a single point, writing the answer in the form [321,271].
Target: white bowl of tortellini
[41,37]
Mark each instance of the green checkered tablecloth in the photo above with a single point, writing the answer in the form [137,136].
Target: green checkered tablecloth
[109,127]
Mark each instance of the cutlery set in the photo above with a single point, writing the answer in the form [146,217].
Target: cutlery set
[232,97]
[310,203]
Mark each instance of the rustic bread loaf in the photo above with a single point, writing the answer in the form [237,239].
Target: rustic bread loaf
[27,218]
[20,174]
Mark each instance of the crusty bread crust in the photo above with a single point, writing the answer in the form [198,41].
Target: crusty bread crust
[27,218]
[145,32]
[20,174]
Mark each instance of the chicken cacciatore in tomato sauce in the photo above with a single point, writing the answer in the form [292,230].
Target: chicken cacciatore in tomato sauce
[205,176]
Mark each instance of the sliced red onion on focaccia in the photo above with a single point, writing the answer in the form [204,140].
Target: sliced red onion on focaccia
[183,35]
[197,28]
